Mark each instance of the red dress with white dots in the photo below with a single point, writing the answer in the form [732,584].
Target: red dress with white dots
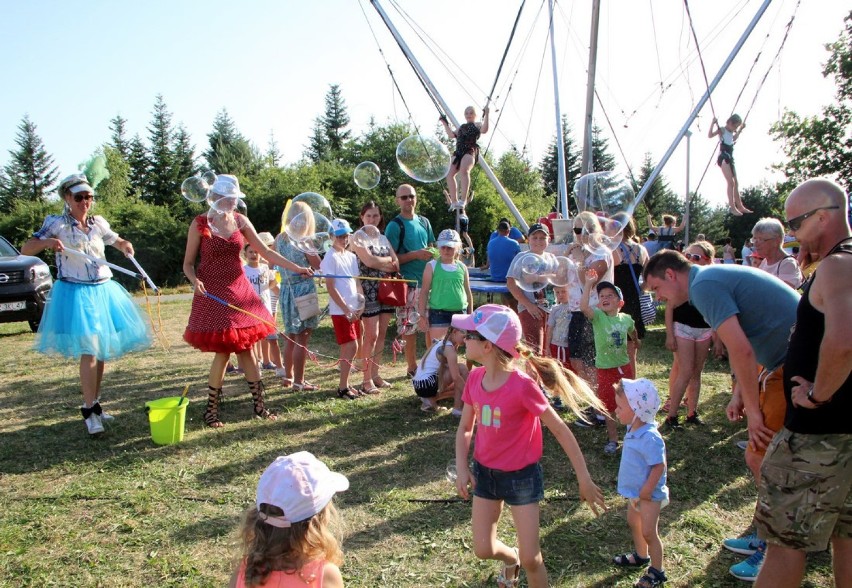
[212,325]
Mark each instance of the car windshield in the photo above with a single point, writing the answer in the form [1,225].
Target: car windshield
[7,250]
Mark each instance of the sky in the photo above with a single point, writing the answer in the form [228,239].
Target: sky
[72,65]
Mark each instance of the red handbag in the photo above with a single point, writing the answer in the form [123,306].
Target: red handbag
[393,293]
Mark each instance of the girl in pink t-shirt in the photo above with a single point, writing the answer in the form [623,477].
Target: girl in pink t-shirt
[509,408]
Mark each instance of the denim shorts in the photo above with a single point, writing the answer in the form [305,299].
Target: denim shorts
[441,318]
[517,488]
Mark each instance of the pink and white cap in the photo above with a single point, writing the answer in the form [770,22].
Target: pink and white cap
[497,323]
[300,485]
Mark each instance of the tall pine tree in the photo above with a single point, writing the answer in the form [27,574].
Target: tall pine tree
[229,152]
[31,173]
[602,159]
[163,184]
[140,164]
[118,136]
[549,164]
[317,149]
[335,120]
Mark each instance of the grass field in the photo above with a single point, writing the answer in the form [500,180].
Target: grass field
[120,511]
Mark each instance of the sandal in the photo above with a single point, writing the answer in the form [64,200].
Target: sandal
[382,383]
[304,387]
[346,394]
[260,410]
[502,580]
[370,390]
[630,560]
[211,413]
[653,577]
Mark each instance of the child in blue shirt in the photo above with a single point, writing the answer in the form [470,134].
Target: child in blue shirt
[642,476]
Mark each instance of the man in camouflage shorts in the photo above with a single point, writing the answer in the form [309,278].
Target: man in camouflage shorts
[806,477]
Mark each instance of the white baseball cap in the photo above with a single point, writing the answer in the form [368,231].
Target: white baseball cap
[300,485]
[340,227]
[449,238]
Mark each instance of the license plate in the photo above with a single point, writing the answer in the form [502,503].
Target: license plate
[10,306]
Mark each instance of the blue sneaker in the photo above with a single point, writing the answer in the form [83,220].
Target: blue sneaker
[748,569]
[743,545]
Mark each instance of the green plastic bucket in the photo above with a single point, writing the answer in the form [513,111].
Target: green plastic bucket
[168,419]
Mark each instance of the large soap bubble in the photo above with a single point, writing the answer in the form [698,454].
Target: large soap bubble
[316,202]
[563,272]
[367,236]
[424,159]
[608,192]
[309,232]
[532,270]
[358,303]
[603,237]
[367,175]
[226,217]
[194,188]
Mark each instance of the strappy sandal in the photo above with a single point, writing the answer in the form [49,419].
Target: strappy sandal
[502,580]
[260,410]
[370,390]
[383,384]
[632,560]
[211,413]
[346,394]
[304,386]
[652,578]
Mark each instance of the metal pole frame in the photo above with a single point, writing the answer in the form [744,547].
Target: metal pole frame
[561,177]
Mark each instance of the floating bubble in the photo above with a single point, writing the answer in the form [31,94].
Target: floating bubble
[424,159]
[359,303]
[529,267]
[367,236]
[224,221]
[608,192]
[309,232]
[208,177]
[367,175]
[316,202]
[452,472]
[194,189]
[564,272]
[604,236]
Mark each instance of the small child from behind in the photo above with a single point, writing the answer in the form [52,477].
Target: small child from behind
[286,536]
[642,476]
[728,135]
[558,323]
[438,368]
[612,328]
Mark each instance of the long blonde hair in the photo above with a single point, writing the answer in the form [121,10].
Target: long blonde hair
[571,388]
[266,548]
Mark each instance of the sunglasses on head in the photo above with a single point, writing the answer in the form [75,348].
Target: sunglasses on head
[795,223]
[474,335]
[81,197]
[578,230]
[407,196]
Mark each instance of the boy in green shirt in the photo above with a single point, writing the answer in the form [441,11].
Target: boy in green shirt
[612,330]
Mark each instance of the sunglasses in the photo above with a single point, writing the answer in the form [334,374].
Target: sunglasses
[694,257]
[578,230]
[404,197]
[474,336]
[795,223]
[81,197]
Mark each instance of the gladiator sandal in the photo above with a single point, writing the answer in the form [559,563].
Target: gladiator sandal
[260,410]
[211,413]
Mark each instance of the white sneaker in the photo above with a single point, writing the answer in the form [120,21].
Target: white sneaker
[94,424]
[280,372]
[105,416]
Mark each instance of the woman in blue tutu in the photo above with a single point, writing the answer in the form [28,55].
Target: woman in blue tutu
[88,315]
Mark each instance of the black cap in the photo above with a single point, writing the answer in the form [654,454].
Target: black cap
[503,226]
[537,227]
[611,286]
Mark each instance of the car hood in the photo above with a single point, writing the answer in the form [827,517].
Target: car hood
[19,262]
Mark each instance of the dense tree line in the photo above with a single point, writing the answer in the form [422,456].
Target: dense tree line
[140,190]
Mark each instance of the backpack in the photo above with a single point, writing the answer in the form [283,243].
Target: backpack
[401,244]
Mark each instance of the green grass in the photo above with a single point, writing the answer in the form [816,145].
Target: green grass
[119,511]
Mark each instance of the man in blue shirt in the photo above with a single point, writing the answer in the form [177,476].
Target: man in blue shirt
[501,251]
[651,245]
[514,232]
[753,313]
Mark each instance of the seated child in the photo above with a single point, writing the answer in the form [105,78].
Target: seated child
[642,476]
[440,369]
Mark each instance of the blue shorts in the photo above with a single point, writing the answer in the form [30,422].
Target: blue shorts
[517,488]
[441,318]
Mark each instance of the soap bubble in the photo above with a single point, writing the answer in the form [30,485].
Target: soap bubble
[208,177]
[531,266]
[424,159]
[604,236]
[316,202]
[564,272]
[228,217]
[367,236]
[194,189]
[367,175]
[359,303]
[608,192]
[309,232]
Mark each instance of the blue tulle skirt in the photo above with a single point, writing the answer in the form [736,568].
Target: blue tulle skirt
[91,319]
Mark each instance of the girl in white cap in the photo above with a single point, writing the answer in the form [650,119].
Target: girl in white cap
[446,287]
[287,538]
[509,408]
[642,476]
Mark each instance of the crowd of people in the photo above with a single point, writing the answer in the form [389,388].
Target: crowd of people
[571,348]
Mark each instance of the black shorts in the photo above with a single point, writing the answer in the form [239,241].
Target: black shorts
[729,159]
[464,224]
[581,338]
[427,388]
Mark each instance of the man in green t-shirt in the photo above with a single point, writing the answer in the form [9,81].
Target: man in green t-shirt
[410,235]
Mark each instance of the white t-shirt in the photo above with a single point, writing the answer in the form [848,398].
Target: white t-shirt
[429,366]
[259,278]
[341,263]
[786,270]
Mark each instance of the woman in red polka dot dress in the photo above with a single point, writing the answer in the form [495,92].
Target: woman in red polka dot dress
[212,326]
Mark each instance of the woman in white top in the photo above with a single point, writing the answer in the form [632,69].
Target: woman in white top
[88,315]
[768,238]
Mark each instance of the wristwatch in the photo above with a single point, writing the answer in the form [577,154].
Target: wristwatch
[811,398]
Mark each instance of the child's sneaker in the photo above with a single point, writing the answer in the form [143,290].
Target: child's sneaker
[749,569]
[671,424]
[611,448]
[743,545]
[694,420]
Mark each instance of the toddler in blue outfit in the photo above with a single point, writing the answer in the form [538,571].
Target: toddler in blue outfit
[642,476]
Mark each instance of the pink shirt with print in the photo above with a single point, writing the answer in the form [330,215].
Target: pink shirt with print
[508,435]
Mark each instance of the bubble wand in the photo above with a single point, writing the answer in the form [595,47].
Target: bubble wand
[144,274]
[104,262]
[365,278]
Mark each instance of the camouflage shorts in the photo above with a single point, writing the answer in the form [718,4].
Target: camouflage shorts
[804,497]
